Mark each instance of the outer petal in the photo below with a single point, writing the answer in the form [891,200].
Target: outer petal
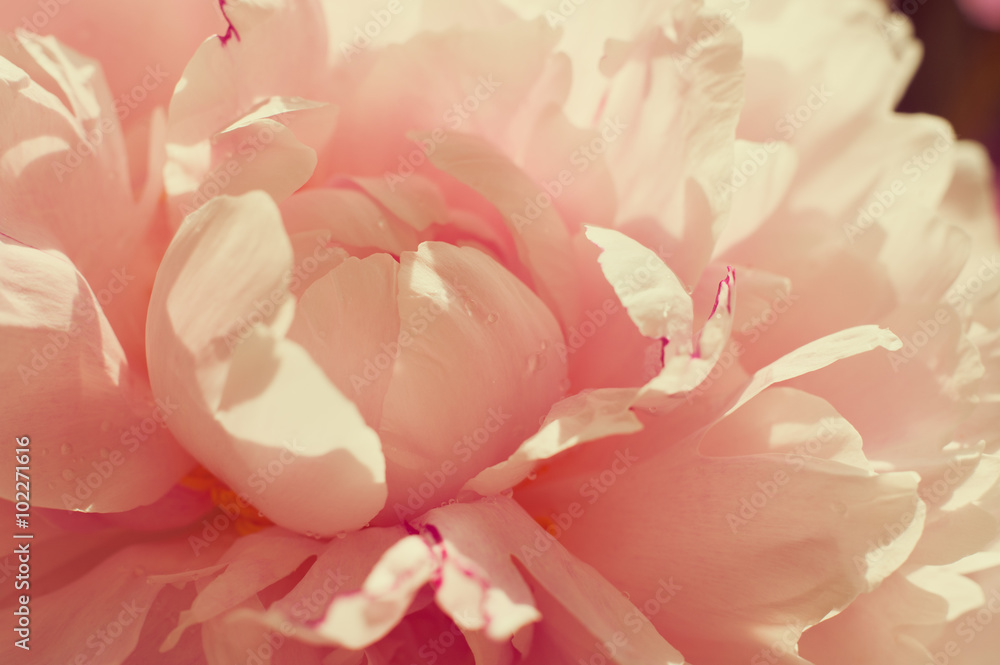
[465,552]
[158,37]
[252,564]
[497,530]
[757,542]
[62,131]
[98,439]
[112,599]
[248,397]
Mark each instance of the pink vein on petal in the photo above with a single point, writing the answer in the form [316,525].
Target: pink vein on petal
[730,277]
[231,31]
[438,550]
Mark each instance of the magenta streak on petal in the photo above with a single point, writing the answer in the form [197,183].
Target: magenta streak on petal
[231,30]
[730,281]
[484,584]
[439,552]
[19,242]
[663,350]
[730,275]
[435,534]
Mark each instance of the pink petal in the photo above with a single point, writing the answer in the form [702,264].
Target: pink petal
[252,79]
[384,95]
[543,242]
[583,417]
[252,564]
[465,551]
[493,532]
[157,37]
[465,317]
[250,398]
[101,614]
[63,130]
[349,322]
[351,218]
[655,299]
[98,437]
[741,572]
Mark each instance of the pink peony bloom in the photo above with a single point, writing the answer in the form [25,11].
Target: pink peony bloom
[503,332]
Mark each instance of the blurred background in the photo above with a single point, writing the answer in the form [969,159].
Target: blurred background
[959,77]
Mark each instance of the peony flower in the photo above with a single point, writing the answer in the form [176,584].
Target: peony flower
[514,332]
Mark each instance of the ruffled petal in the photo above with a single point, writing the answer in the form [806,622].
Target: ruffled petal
[756,542]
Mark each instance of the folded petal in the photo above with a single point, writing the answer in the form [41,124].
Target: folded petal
[250,399]
[462,316]
[541,238]
[98,436]
[758,541]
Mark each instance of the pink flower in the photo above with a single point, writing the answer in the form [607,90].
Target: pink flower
[497,333]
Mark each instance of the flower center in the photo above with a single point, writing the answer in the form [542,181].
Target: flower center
[244,516]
